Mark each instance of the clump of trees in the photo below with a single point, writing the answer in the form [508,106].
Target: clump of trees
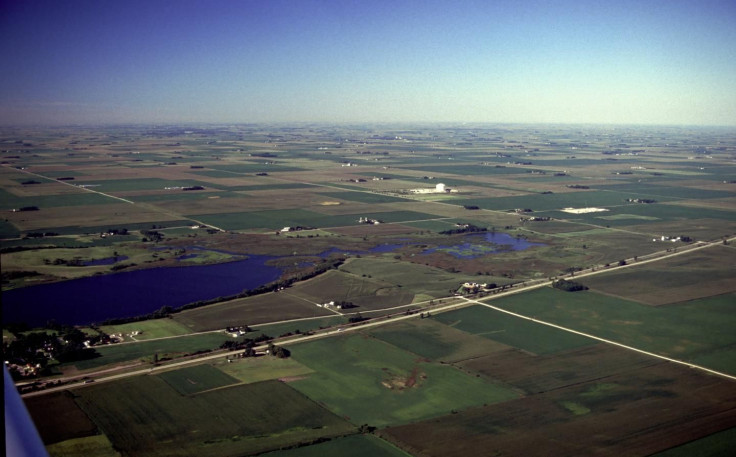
[152,235]
[470,228]
[569,286]
[357,318]
[278,351]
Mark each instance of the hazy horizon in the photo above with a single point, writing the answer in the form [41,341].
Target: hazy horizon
[658,63]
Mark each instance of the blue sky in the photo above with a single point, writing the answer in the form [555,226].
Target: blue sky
[556,61]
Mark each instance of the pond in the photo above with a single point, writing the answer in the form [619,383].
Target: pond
[126,294]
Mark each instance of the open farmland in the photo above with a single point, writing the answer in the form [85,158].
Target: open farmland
[687,331]
[222,422]
[464,381]
[512,331]
[704,274]
[249,311]
[197,379]
[638,413]
[368,381]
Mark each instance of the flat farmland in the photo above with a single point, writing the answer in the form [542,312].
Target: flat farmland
[303,325]
[535,374]
[432,282]
[264,368]
[686,331]
[432,340]
[368,381]
[79,198]
[153,328]
[365,293]
[137,184]
[512,331]
[553,201]
[197,379]
[259,309]
[277,219]
[694,275]
[472,381]
[225,422]
[637,413]
[667,191]
[363,197]
[58,418]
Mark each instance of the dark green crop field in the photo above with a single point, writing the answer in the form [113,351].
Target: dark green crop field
[196,379]
[224,422]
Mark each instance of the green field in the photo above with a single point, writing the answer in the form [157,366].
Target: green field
[434,226]
[153,328]
[353,446]
[81,198]
[223,422]
[510,330]
[432,340]
[699,330]
[196,379]
[369,381]
[263,368]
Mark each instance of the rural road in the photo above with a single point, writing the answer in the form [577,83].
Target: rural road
[458,302]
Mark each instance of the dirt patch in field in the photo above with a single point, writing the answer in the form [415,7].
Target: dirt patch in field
[401,382]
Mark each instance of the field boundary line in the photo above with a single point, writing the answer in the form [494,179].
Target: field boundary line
[603,340]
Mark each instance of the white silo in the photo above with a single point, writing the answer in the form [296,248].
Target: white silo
[440,188]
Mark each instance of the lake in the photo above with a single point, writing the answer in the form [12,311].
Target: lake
[127,294]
